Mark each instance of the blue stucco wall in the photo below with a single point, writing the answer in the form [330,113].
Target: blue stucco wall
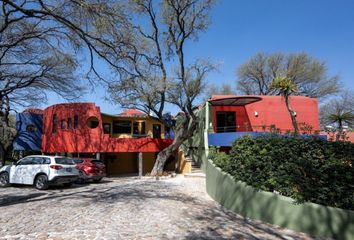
[226,139]
[25,140]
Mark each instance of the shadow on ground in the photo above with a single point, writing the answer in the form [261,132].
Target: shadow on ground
[217,222]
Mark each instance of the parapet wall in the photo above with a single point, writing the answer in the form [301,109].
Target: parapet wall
[310,218]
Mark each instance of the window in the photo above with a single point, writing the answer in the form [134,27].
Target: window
[62,124]
[139,128]
[156,131]
[46,160]
[76,121]
[225,122]
[64,161]
[69,123]
[30,128]
[97,162]
[122,127]
[41,160]
[78,161]
[26,161]
[106,128]
[92,122]
[54,123]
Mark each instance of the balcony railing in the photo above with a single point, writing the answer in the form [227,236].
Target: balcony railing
[226,129]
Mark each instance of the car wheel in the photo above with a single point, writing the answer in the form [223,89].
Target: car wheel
[81,177]
[97,180]
[4,179]
[41,182]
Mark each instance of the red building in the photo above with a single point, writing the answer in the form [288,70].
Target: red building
[261,113]
[232,117]
[81,129]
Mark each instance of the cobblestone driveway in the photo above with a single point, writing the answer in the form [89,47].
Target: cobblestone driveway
[126,208]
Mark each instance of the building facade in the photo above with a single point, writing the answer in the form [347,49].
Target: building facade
[80,129]
[233,116]
[29,127]
[225,118]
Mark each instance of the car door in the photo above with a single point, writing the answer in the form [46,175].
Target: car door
[33,167]
[42,167]
[19,173]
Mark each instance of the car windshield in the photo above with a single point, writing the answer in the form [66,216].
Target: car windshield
[96,162]
[77,161]
[64,161]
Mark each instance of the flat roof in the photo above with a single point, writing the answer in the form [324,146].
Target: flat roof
[234,101]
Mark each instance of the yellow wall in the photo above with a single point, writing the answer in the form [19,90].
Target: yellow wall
[127,163]
[148,125]
[148,162]
[122,163]
[183,166]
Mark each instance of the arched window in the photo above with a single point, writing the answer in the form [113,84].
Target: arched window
[92,122]
[76,121]
[62,124]
[69,123]
[54,123]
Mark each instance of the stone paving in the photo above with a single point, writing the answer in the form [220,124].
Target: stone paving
[126,208]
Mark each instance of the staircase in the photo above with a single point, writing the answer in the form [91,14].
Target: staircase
[196,171]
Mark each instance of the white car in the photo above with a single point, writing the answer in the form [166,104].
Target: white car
[40,171]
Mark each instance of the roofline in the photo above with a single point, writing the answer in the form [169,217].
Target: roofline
[252,99]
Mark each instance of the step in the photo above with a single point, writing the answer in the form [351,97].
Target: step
[195,175]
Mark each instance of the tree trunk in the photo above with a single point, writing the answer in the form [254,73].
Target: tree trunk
[292,115]
[339,131]
[2,156]
[184,132]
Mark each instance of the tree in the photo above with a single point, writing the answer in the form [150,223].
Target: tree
[213,89]
[285,86]
[309,74]
[40,42]
[156,72]
[338,112]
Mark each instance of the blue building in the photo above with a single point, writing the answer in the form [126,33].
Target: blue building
[29,126]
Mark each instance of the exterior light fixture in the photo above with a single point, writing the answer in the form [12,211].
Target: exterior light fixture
[255,113]
[328,127]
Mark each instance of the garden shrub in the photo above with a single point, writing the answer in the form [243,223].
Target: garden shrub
[220,159]
[303,169]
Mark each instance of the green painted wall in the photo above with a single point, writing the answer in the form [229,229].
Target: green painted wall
[195,147]
[311,218]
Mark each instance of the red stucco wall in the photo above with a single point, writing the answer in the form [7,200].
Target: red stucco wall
[272,111]
[85,139]
[242,120]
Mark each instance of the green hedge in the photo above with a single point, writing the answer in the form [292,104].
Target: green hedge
[306,170]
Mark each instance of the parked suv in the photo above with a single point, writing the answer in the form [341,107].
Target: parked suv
[90,169]
[40,171]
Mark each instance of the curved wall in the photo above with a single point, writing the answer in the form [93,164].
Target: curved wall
[85,139]
[29,131]
[269,207]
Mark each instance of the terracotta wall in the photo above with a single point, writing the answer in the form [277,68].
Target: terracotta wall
[242,121]
[85,139]
[271,110]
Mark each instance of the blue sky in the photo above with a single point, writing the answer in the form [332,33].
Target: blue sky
[241,28]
